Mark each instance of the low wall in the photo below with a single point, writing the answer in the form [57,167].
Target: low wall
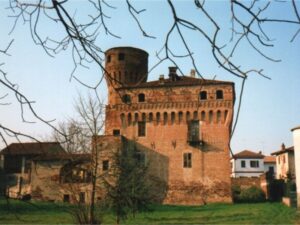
[246,182]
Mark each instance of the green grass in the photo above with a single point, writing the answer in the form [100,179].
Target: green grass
[262,213]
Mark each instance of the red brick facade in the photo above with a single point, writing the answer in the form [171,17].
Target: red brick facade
[163,117]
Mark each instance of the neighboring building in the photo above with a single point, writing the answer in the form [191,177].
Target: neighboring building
[181,123]
[16,163]
[296,139]
[270,165]
[285,162]
[247,164]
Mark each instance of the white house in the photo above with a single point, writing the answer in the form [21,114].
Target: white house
[247,164]
[285,162]
[270,164]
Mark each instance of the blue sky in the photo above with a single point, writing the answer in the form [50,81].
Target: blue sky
[270,107]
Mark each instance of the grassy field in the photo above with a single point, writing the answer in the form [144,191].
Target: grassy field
[17,212]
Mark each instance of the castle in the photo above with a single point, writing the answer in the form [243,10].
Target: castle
[180,125]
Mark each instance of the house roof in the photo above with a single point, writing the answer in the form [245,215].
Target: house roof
[180,81]
[283,150]
[32,148]
[246,154]
[270,159]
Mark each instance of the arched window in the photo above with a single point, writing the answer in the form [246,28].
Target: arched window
[141,97]
[172,117]
[195,115]
[108,59]
[150,117]
[126,99]
[188,116]
[129,119]
[123,120]
[219,94]
[180,117]
[210,116]
[225,115]
[218,116]
[157,117]
[144,117]
[165,118]
[203,95]
[136,117]
[203,116]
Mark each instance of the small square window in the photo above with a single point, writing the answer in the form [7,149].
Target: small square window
[219,94]
[187,160]
[116,132]
[141,97]
[254,164]
[126,99]
[203,95]
[105,165]
[121,56]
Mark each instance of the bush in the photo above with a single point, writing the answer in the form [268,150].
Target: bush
[236,191]
[251,195]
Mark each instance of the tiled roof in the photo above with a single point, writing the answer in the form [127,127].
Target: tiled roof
[284,150]
[181,81]
[33,148]
[270,159]
[246,154]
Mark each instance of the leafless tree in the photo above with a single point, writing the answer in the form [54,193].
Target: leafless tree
[249,20]
[76,136]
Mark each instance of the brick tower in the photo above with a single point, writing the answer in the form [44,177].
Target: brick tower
[126,66]
[181,124]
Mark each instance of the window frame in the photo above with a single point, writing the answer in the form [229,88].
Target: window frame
[243,163]
[187,160]
[219,94]
[254,163]
[203,95]
[141,97]
[126,98]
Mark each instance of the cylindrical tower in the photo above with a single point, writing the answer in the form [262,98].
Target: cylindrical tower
[125,66]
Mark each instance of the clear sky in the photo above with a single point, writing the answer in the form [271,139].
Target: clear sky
[270,107]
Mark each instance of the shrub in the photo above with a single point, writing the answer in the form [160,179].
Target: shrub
[251,195]
[236,191]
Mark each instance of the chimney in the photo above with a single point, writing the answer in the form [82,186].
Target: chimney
[172,73]
[259,152]
[193,73]
[161,79]
[282,147]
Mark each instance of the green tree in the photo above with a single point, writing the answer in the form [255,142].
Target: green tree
[128,193]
